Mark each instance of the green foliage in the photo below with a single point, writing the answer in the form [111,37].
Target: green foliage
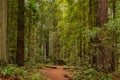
[12,29]
[113,25]
[32,11]
[91,74]
[69,27]
[106,77]
[8,70]
[21,73]
[12,70]
[36,77]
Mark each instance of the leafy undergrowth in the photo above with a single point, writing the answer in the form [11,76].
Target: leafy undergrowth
[12,72]
[91,74]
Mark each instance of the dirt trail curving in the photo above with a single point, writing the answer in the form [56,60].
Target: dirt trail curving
[55,74]
[59,72]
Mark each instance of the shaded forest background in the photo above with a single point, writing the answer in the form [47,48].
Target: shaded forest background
[63,32]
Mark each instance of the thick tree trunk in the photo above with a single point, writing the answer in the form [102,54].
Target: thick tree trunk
[3,32]
[20,36]
[102,19]
[102,13]
[104,57]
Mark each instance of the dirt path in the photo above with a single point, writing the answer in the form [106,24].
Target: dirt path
[59,72]
[55,74]
[115,77]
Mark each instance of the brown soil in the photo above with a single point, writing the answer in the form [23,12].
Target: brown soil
[115,77]
[55,74]
[59,73]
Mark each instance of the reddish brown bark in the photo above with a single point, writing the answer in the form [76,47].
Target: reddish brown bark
[102,19]
[102,13]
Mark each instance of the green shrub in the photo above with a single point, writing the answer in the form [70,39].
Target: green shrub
[12,70]
[91,74]
[21,71]
[8,70]
[106,77]
[37,76]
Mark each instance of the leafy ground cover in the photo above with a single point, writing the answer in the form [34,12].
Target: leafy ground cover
[50,72]
[12,72]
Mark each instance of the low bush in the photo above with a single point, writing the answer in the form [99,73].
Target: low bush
[12,71]
[91,74]
[20,73]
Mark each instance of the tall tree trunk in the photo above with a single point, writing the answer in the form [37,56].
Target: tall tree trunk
[115,56]
[92,19]
[102,19]
[20,37]
[3,32]
[102,13]
[104,56]
[47,43]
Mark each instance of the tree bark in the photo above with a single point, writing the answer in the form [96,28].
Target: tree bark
[102,19]
[47,44]
[104,57]
[102,13]
[20,36]
[114,55]
[3,32]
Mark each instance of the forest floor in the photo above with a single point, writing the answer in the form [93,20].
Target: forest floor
[53,73]
[59,73]
[115,77]
[56,74]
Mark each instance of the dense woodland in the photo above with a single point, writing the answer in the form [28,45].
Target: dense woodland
[84,34]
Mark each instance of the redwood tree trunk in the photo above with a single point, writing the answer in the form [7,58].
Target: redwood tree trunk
[102,13]
[104,57]
[3,32]
[102,19]
[20,36]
